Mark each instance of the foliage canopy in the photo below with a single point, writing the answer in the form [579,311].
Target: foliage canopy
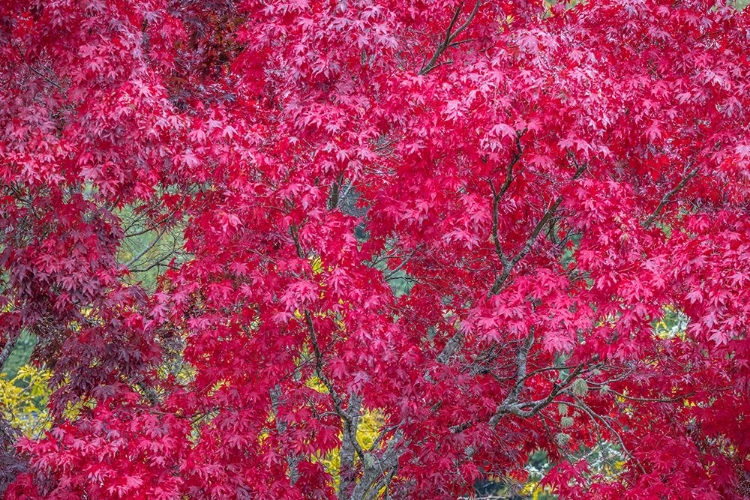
[357,248]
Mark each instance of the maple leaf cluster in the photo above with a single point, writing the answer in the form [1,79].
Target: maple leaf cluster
[501,227]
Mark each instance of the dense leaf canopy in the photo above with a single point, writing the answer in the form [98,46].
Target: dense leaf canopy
[244,233]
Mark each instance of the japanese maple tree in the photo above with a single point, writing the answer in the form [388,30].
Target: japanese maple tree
[482,228]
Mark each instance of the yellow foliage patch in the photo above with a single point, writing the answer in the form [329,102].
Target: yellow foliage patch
[24,398]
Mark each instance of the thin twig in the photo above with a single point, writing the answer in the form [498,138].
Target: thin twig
[594,416]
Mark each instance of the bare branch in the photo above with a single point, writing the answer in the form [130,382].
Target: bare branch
[521,368]
[333,199]
[516,408]
[148,248]
[509,264]
[7,349]
[349,422]
[652,400]
[596,417]
[390,274]
[453,344]
[496,195]
[347,472]
[668,196]
[450,347]
[450,36]
[383,483]
[37,72]
[377,466]
[291,459]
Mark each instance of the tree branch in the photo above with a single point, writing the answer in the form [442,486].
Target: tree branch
[594,416]
[377,466]
[347,472]
[668,196]
[349,423]
[454,342]
[449,37]
[291,459]
[652,400]
[7,349]
[509,264]
[404,261]
[148,248]
[515,408]
[496,195]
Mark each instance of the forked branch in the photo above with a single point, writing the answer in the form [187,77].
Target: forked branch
[449,37]
[509,263]
[668,196]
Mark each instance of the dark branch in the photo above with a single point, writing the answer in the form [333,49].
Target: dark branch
[292,459]
[596,417]
[450,36]
[509,264]
[7,349]
[668,196]
[349,423]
